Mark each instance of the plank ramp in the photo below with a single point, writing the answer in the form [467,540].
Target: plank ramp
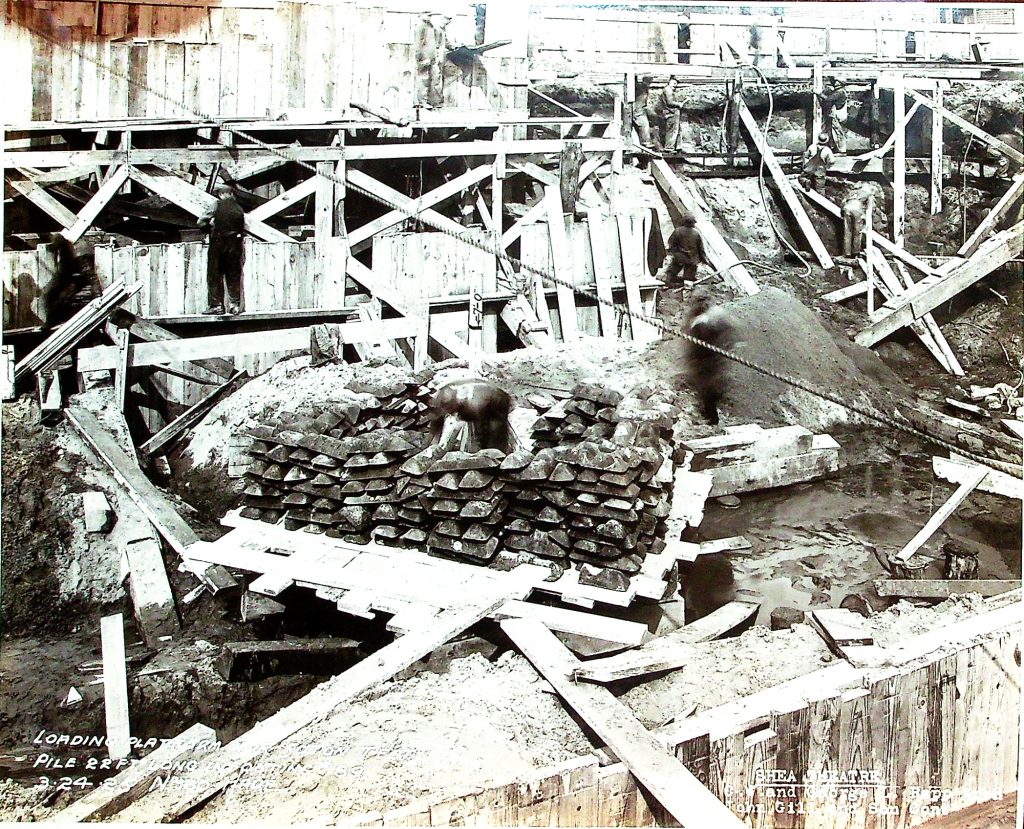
[680,793]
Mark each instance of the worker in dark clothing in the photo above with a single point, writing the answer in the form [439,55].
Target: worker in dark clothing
[663,108]
[224,258]
[481,405]
[641,120]
[854,210]
[685,252]
[75,275]
[834,114]
[705,368]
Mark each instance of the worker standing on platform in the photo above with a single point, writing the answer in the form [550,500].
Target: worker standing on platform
[834,112]
[641,121]
[665,108]
[817,160]
[685,252]
[224,259]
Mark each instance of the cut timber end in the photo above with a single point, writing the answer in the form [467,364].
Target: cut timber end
[779,471]
[152,599]
[99,517]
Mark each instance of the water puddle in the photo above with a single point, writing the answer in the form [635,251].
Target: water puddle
[815,543]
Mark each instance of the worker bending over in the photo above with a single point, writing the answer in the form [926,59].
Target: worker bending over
[482,406]
[854,210]
[685,252]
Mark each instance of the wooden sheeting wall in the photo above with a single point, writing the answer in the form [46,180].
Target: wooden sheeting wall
[232,61]
[949,728]
[276,276]
[26,274]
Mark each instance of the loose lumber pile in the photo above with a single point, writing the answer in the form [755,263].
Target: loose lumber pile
[750,458]
[58,344]
[597,501]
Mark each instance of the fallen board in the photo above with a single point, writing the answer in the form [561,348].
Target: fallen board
[213,772]
[681,794]
[943,588]
[767,474]
[970,483]
[670,651]
[115,687]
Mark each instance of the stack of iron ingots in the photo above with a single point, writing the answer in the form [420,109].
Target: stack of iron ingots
[357,472]
[588,415]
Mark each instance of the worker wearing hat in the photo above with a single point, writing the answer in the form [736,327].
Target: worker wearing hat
[685,252]
[226,221]
[817,160]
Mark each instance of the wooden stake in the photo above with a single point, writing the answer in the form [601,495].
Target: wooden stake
[121,371]
[936,190]
[115,687]
[899,180]
[955,500]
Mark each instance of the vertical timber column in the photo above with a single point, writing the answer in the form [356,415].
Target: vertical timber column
[936,195]
[491,281]
[869,265]
[323,222]
[899,173]
[617,155]
[816,89]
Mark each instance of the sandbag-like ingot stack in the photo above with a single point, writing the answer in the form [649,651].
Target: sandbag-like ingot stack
[596,499]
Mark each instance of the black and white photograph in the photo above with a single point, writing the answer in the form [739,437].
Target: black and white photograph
[569,414]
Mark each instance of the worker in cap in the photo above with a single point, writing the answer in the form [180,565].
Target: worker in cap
[226,221]
[685,251]
[834,111]
[817,160]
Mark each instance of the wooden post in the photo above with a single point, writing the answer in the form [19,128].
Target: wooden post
[816,88]
[476,312]
[617,156]
[899,174]
[936,199]
[323,221]
[115,687]
[121,373]
[869,249]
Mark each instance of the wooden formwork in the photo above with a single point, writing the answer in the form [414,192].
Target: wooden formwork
[932,728]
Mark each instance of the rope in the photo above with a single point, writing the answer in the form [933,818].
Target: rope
[548,276]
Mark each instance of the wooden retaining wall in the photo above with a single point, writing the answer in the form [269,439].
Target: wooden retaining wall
[246,58]
[860,748]
[26,275]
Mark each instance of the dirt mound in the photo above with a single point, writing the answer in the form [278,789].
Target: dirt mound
[783,335]
[435,735]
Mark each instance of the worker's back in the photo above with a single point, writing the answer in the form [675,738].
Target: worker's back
[686,241]
[228,218]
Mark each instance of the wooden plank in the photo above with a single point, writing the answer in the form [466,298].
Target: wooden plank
[152,600]
[287,199]
[935,195]
[989,223]
[632,267]
[876,238]
[796,209]
[214,771]
[931,292]
[150,500]
[678,791]
[843,294]
[718,251]
[748,447]
[115,687]
[955,500]
[87,215]
[117,792]
[668,652]
[602,274]
[121,369]
[1010,152]
[44,201]
[188,418]
[561,257]
[233,345]
[7,373]
[608,629]
[899,176]
[943,588]
[149,331]
[948,357]
[775,472]
[196,201]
